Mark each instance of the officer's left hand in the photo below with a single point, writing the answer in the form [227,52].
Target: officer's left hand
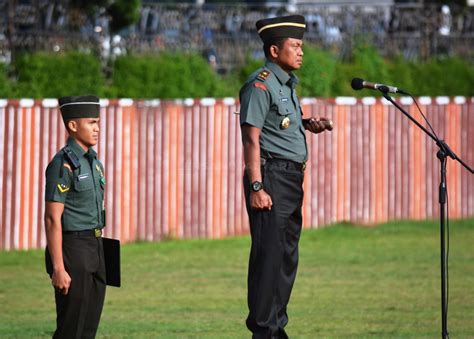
[318,124]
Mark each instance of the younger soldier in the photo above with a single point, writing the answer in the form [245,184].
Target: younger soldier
[74,218]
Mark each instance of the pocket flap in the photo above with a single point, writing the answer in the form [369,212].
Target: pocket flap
[284,108]
[84,185]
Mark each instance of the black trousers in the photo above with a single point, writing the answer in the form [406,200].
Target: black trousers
[78,312]
[274,252]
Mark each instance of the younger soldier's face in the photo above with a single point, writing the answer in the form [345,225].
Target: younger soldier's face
[290,56]
[85,131]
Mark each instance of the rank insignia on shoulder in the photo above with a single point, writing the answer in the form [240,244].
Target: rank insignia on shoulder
[260,85]
[63,188]
[263,75]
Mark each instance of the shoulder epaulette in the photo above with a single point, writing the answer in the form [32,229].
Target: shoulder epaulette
[71,157]
[263,75]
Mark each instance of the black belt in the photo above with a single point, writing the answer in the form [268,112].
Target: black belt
[96,232]
[284,164]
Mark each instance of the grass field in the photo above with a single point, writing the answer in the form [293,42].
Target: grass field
[353,282]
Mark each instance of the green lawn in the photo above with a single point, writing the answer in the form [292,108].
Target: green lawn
[353,282]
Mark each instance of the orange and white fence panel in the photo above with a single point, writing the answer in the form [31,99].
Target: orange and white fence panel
[174,168]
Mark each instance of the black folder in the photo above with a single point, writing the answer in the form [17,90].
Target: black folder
[112,261]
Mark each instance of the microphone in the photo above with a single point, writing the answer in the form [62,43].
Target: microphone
[358,84]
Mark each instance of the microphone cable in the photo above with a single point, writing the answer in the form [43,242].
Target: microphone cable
[426,120]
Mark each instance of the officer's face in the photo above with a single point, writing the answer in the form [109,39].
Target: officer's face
[290,55]
[85,131]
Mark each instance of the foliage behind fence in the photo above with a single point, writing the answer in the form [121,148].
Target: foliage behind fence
[182,75]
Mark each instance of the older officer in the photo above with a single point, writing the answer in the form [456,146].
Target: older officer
[74,217]
[275,152]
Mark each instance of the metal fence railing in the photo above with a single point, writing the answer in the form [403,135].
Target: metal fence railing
[227,32]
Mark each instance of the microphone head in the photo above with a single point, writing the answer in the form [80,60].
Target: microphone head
[357,84]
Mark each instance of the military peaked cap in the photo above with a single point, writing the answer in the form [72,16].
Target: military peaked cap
[87,106]
[291,26]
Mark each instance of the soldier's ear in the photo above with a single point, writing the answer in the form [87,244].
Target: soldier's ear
[72,125]
[274,51]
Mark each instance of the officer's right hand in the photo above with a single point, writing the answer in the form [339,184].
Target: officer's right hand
[318,124]
[260,200]
[61,281]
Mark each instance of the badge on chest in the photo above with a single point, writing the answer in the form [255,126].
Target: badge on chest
[285,123]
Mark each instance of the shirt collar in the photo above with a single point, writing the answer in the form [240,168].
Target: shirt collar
[78,150]
[289,79]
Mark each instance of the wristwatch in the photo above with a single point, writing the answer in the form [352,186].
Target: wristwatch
[257,186]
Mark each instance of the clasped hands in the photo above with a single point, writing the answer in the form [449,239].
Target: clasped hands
[317,124]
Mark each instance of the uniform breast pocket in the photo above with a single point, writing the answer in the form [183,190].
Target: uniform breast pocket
[84,192]
[286,117]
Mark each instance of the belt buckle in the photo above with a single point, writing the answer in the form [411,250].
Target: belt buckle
[97,232]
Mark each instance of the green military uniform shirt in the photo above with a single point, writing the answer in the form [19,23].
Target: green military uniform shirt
[268,101]
[81,190]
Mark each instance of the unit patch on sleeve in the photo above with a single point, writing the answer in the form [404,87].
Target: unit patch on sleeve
[260,85]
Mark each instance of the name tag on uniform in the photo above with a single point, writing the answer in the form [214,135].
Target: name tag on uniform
[84,176]
[283,99]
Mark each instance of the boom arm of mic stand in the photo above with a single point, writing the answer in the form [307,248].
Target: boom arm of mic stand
[441,143]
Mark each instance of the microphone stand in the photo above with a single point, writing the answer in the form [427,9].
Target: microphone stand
[443,152]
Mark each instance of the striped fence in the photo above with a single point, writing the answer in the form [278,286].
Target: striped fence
[174,168]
